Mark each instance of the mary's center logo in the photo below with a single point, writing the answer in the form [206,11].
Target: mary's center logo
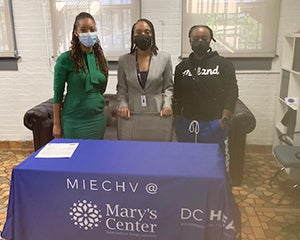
[85,214]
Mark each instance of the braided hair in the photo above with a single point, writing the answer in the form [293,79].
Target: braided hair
[202,26]
[154,48]
[76,53]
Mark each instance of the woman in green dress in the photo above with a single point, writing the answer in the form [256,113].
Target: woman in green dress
[83,70]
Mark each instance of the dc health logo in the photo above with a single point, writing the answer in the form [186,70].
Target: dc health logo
[85,214]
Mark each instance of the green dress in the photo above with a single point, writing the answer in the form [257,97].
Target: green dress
[83,115]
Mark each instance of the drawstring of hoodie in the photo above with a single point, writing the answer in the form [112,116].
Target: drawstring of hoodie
[194,128]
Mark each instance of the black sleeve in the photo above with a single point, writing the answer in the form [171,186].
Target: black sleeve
[177,97]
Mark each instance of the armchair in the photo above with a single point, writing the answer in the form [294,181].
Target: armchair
[242,122]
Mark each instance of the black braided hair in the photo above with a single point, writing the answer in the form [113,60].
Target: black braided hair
[202,26]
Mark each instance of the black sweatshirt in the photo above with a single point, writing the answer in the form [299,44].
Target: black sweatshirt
[213,89]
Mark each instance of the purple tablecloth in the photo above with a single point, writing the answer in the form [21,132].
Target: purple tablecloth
[123,190]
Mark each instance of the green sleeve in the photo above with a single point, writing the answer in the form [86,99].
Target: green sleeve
[60,77]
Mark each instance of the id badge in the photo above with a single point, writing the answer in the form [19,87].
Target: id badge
[143,101]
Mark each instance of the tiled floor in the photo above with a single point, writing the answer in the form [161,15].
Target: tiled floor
[261,218]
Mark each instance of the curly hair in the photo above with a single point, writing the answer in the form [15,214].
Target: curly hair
[154,48]
[76,53]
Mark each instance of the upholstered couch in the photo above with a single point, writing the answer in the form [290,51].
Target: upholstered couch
[39,119]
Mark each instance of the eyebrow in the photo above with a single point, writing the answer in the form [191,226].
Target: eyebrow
[90,27]
[202,37]
[141,30]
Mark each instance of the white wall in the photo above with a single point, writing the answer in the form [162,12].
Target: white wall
[32,83]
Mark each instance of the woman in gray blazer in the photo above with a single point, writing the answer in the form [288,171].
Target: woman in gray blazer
[145,80]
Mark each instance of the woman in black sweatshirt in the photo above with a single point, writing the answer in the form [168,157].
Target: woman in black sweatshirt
[205,91]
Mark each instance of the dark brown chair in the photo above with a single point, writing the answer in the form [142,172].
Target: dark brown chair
[242,123]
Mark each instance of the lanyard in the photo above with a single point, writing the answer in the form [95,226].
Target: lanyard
[142,80]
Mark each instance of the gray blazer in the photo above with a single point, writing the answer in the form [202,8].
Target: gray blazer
[158,90]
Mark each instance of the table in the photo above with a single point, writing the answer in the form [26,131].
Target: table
[123,190]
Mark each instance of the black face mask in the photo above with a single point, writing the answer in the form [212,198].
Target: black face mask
[200,47]
[143,42]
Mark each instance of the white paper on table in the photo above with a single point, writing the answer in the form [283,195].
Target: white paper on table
[57,150]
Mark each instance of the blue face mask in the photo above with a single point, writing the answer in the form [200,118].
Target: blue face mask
[88,39]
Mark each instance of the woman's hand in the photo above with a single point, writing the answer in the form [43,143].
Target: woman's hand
[57,131]
[124,112]
[166,112]
[224,121]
